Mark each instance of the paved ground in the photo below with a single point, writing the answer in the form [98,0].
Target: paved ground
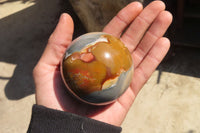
[169,102]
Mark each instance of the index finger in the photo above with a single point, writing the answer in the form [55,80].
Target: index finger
[125,16]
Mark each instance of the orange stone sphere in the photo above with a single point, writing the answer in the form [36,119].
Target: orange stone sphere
[97,68]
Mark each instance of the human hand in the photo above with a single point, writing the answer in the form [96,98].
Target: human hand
[141,30]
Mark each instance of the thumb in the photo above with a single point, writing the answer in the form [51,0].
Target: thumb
[58,41]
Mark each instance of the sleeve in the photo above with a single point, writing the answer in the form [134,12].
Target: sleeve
[46,120]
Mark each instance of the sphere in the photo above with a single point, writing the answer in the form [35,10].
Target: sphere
[97,68]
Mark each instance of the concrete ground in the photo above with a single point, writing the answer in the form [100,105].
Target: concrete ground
[168,103]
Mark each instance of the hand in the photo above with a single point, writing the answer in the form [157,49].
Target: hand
[141,30]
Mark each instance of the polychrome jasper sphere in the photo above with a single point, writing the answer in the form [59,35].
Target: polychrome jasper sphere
[97,68]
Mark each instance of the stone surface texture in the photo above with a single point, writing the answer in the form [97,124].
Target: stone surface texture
[168,103]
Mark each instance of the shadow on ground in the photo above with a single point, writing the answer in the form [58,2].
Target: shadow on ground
[182,60]
[23,37]
[25,33]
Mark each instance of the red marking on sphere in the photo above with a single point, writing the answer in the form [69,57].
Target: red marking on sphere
[87,57]
[80,77]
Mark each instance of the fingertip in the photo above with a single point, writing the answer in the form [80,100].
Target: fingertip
[128,13]
[168,16]
[136,5]
[165,18]
[158,4]
[63,30]
[165,42]
[65,17]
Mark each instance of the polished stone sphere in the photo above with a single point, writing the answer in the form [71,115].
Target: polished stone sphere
[97,68]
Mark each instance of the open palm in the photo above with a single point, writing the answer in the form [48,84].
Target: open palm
[140,29]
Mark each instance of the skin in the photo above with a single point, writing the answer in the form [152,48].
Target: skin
[142,30]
